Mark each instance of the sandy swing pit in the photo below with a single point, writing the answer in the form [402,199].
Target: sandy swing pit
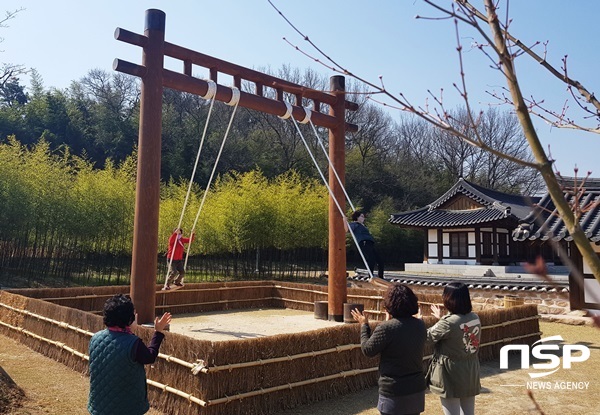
[246,324]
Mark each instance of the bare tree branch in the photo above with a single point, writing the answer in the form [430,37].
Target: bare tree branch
[438,119]
[501,42]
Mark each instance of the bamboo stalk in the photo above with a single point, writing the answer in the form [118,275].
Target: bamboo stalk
[210,369]
[250,287]
[509,322]
[368,297]
[84,356]
[221,302]
[176,360]
[261,362]
[428,303]
[200,402]
[374,312]
[194,366]
[167,388]
[291,385]
[77,297]
[43,339]
[301,289]
[233,301]
[509,339]
[47,319]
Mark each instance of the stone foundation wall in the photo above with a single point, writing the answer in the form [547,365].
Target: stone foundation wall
[548,302]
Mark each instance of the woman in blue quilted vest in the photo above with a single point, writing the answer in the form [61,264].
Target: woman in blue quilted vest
[117,359]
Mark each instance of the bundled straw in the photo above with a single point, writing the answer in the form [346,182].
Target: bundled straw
[249,376]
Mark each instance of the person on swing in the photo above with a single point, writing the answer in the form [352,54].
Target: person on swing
[175,258]
[365,240]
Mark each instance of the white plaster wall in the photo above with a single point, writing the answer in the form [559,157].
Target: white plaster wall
[432,235]
[471,238]
[432,251]
[591,289]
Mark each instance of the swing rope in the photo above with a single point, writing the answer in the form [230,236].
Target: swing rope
[331,164]
[339,208]
[235,100]
[210,94]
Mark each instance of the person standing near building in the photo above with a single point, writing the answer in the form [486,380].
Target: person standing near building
[399,341]
[365,240]
[175,258]
[454,370]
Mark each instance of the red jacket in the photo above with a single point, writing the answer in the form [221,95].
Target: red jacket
[178,247]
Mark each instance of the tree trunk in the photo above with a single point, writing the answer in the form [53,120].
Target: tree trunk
[545,166]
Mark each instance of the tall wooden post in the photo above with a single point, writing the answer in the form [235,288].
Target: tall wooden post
[337,235]
[147,193]
[154,78]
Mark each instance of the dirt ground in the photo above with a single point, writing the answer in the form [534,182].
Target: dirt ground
[62,391]
[245,324]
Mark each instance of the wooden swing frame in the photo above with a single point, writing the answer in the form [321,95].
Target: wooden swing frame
[154,77]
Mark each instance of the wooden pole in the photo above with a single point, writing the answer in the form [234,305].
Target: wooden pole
[337,235]
[147,192]
[154,79]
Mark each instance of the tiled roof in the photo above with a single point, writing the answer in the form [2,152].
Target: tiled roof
[495,206]
[541,224]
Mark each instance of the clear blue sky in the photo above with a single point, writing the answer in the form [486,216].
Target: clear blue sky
[63,40]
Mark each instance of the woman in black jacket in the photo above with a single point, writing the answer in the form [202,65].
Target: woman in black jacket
[400,341]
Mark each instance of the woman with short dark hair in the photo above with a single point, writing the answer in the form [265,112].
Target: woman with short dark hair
[454,370]
[117,359]
[400,341]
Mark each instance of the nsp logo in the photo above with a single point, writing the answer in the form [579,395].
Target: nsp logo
[546,352]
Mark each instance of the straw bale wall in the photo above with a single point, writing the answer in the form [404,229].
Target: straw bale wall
[247,376]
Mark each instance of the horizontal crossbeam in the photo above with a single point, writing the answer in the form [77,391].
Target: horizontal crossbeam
[186,83]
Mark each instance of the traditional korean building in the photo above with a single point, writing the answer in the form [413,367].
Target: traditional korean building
[544,225]
[472,225]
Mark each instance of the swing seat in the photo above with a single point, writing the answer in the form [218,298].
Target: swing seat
[172,288]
